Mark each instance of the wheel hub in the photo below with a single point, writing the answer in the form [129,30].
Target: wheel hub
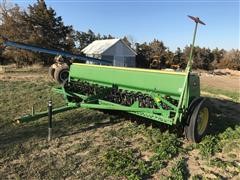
[202,121]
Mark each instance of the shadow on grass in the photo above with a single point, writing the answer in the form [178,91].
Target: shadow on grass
[226,113]
[65,124]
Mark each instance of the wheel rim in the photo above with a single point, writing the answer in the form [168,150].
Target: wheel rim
[203,117]
[64,75]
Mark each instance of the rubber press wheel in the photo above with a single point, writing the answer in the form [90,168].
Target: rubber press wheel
[198,121]
[61,74]
[51,71]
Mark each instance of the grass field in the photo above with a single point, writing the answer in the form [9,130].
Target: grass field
[89,144]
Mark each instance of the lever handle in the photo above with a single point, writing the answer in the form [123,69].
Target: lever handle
[196,19]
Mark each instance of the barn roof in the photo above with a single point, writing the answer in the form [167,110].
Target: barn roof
[100,46]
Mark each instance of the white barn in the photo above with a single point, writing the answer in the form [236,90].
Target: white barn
[114,50]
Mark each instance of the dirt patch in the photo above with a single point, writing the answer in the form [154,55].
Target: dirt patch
[29,74]
[24,77]
[221,96]
[223,82]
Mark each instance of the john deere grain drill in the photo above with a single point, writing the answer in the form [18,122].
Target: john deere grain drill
[168,97]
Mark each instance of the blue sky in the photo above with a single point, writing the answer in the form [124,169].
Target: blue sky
[161,19]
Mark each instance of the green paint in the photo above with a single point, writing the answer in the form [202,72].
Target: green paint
[157,84]
[129,78]
[172,91]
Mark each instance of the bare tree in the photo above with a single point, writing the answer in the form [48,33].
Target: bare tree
[5,5]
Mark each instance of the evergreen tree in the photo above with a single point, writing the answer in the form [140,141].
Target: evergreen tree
[125,39]
[48,30]
[39,26]
[143,55]
[83,39]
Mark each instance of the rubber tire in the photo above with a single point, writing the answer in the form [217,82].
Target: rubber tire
[51,71]
[191,131]
[191,108]
[58,74]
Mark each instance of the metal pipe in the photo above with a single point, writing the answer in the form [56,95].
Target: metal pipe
[33,110]
[49,120]
[189,66]
[38,115]
[53,52]
[196,20]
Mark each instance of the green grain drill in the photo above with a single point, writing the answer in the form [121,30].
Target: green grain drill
[168,97]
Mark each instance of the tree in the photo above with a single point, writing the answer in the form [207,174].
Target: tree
[125,39]
[202,57]
[218,56]
[177,56]
[143,55]
[13,26]
[46,29]
[39,26]
[83,39]
[231,60]
[157,48]
[153,55]
[1,56]
[158,57]
[129,40]
[168,56]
